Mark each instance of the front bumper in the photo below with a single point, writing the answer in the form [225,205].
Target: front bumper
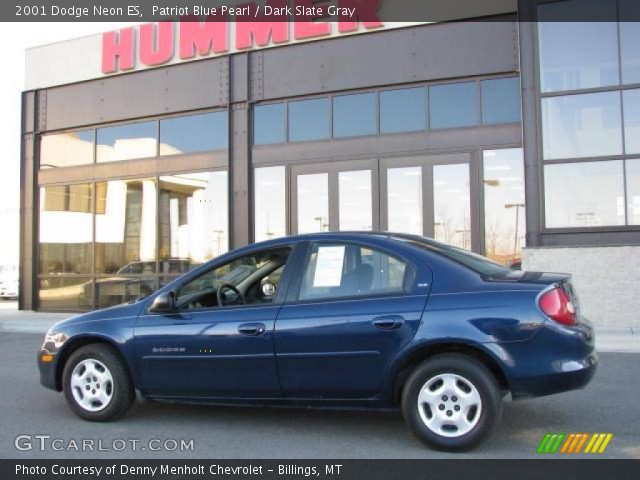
[48,371]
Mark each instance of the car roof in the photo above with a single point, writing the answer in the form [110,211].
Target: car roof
[338,236]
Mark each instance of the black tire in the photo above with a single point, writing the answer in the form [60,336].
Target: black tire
[122,393]
[471,370]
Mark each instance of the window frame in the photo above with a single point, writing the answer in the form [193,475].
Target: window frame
[295,289]
[97,126]
[540,202]
[378,91]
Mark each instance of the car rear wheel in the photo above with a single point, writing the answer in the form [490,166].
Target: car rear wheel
[451,402]
[96,383]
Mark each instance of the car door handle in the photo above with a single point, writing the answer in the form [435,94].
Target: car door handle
[392,322]
[252,329]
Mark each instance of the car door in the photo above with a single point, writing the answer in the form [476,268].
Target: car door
[206,350]
[354,308]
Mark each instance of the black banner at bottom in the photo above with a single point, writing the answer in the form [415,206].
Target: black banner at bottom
[325,469]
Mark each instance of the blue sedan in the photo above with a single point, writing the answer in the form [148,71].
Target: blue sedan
[353,320]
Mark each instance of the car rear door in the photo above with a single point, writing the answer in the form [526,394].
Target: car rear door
[355,306]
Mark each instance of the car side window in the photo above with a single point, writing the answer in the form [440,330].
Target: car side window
[348,270]
[255,276]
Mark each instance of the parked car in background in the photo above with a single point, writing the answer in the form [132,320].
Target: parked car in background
[9,289]
[349,320]
[129,282]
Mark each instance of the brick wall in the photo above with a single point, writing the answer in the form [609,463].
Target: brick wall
[607,280]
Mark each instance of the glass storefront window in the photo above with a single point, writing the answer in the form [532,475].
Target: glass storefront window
[403,110]
[194,133]
[66,229]
[193,219]
[451,204]
[269,124]
[67,149]
[632,120]
[270,203]
[633,191]
[454,105]
[309,120]
[577,55]
[355,115]
[116,290]
[404,200]
[629,41]
[126,226]
[500,101]
[313,203]
[65,294]
[504,205]
[355,200]
[572,199]
[125,142]
[585,125]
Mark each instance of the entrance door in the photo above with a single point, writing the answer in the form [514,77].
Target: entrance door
[436,196]
[336,196]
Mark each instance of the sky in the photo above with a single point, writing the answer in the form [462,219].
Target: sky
[15,38]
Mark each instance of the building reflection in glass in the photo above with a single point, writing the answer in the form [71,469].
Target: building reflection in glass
[355,200]
[66,229]
[125,225]
[451,204]
[573,200]
[313,203]
[633,191]
[67,149]
[404,200]
[504,204]
[270,203]
[193,219]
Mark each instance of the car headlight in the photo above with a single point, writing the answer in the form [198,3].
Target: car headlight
[54,340]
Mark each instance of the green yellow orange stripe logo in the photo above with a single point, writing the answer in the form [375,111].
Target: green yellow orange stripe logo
[550,443]
[574,443]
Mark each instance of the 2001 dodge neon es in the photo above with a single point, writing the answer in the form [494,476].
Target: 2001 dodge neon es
[334,319]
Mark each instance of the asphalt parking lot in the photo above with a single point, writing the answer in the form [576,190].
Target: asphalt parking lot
[609,404]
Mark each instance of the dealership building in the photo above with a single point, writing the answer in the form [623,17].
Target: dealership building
[155,148]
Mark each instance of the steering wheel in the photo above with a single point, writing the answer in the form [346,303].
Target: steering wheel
[222,297]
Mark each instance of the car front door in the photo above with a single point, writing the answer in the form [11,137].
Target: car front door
[203,349]
[355,307]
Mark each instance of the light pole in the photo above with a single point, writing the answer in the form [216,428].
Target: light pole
[517,206]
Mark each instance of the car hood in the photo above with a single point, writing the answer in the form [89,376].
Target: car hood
[111,313]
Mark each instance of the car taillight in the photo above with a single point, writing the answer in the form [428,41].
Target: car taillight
[557,305]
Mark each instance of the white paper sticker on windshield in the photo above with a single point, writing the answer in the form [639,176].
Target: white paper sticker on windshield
[329,267]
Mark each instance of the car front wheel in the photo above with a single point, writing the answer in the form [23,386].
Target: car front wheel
[97,385]
[451,402]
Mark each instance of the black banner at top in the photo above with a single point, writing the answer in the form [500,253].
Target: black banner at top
[370,11]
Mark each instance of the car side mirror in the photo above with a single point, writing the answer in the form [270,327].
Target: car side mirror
[163,303]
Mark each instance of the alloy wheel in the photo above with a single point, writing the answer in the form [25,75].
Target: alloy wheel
[449,405]
[92,385]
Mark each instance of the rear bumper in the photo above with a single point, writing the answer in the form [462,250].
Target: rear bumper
[556,359]
[574,375]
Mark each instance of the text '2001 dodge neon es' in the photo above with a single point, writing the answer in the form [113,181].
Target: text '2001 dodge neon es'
[334,319]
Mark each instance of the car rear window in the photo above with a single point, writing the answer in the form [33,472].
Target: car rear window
[475,262]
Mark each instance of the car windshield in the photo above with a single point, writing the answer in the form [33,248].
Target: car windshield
[476,262]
